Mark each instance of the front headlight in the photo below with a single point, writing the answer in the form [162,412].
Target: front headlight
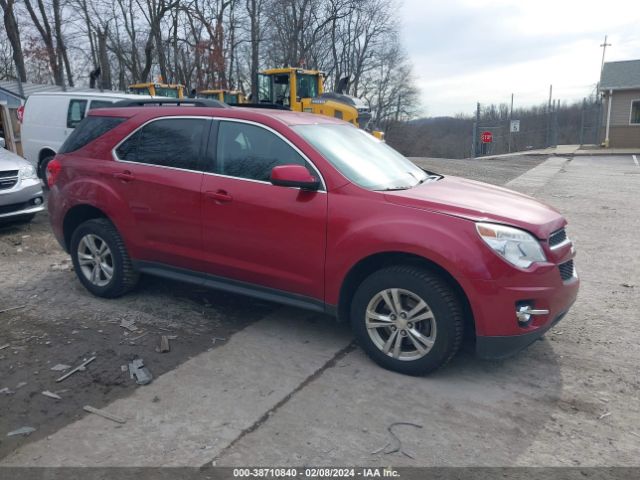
[516,246]
[28,173]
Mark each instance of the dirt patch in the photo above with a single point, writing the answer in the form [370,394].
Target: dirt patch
[59,322]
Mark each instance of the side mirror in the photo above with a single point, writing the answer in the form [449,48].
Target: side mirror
[2,143]
[294,176]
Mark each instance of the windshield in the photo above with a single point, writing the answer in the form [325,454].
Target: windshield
[307,86]
[140,91]
[167,92]
[362,158]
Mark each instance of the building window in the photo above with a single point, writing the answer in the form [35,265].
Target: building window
[635,112]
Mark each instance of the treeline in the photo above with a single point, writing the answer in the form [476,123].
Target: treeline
[540,127]
[210,44]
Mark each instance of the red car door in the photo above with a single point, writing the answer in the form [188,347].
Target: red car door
[254,231]
[159,172]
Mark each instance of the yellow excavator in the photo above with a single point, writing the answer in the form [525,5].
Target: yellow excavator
[303,91]
[157,89]
[230,97]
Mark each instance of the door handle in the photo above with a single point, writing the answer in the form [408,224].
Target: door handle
[125,176]
[219,196]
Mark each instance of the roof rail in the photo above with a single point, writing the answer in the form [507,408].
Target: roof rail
[196,102]
[266,105]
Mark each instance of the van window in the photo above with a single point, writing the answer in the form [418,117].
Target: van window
[88,130]
[170,142]
[76,111]
[100,104]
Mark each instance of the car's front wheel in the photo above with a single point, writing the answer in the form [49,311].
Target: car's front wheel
[407,319]
[100,259]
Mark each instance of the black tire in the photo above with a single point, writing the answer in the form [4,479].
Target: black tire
[124,276]
[42,170]
[442,302]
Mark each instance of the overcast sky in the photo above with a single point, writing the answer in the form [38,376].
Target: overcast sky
[465,51]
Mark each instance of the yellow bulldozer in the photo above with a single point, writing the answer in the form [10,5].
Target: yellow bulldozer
[157,89]
[303,91]
[230,97]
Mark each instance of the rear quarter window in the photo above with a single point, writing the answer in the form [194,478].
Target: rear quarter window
[89,130]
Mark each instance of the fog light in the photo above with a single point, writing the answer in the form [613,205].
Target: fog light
[37,201]
[525,312]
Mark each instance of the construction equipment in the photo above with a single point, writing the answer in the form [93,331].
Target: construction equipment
[303,91]
[157,89]
[230,97]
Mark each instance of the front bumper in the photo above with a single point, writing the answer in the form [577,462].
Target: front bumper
[499,347]
[25,198]
[545,287]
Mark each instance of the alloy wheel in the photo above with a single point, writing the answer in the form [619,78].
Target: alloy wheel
[95,260]
[401,324]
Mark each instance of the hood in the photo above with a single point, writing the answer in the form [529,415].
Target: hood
[479,201]
[11,161]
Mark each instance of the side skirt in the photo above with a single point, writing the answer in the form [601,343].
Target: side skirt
[234,286]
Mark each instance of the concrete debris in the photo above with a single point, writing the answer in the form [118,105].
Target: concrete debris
[12,308]
[6,391]
[6,345]
[139,372]
[79,368]
[49,394]
[604,415]
[628,285]
[25,431]
[20,385]
[103,414]
[128,325]
[395,440]
[215,339]
[164,345]
[61,367]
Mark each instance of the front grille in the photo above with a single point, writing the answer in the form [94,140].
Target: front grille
[557,237]
[8,173]
[566,270]
[6,183]
[15,207]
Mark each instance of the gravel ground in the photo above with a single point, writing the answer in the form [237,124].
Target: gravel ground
[497,171]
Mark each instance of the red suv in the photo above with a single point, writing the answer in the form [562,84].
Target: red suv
[312,212]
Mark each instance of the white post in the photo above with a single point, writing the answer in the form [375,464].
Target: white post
[606,135]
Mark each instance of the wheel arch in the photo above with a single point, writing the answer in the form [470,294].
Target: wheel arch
[44,152]
[75,217]
[377,261]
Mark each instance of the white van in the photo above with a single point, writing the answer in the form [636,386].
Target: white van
[49,117]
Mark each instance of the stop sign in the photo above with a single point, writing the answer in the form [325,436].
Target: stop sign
[486,137]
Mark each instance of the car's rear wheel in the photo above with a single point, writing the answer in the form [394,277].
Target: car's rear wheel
[407,319]
[101,260]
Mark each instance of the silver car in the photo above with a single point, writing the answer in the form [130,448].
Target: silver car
[21,195]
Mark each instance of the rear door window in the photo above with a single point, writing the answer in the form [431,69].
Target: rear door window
[169,142]
[76,112]
[88,130]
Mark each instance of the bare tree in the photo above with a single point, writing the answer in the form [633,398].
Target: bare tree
[13,35]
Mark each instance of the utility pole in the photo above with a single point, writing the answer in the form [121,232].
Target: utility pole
[476,132]
[604,50]
[549,116]
[510,119]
